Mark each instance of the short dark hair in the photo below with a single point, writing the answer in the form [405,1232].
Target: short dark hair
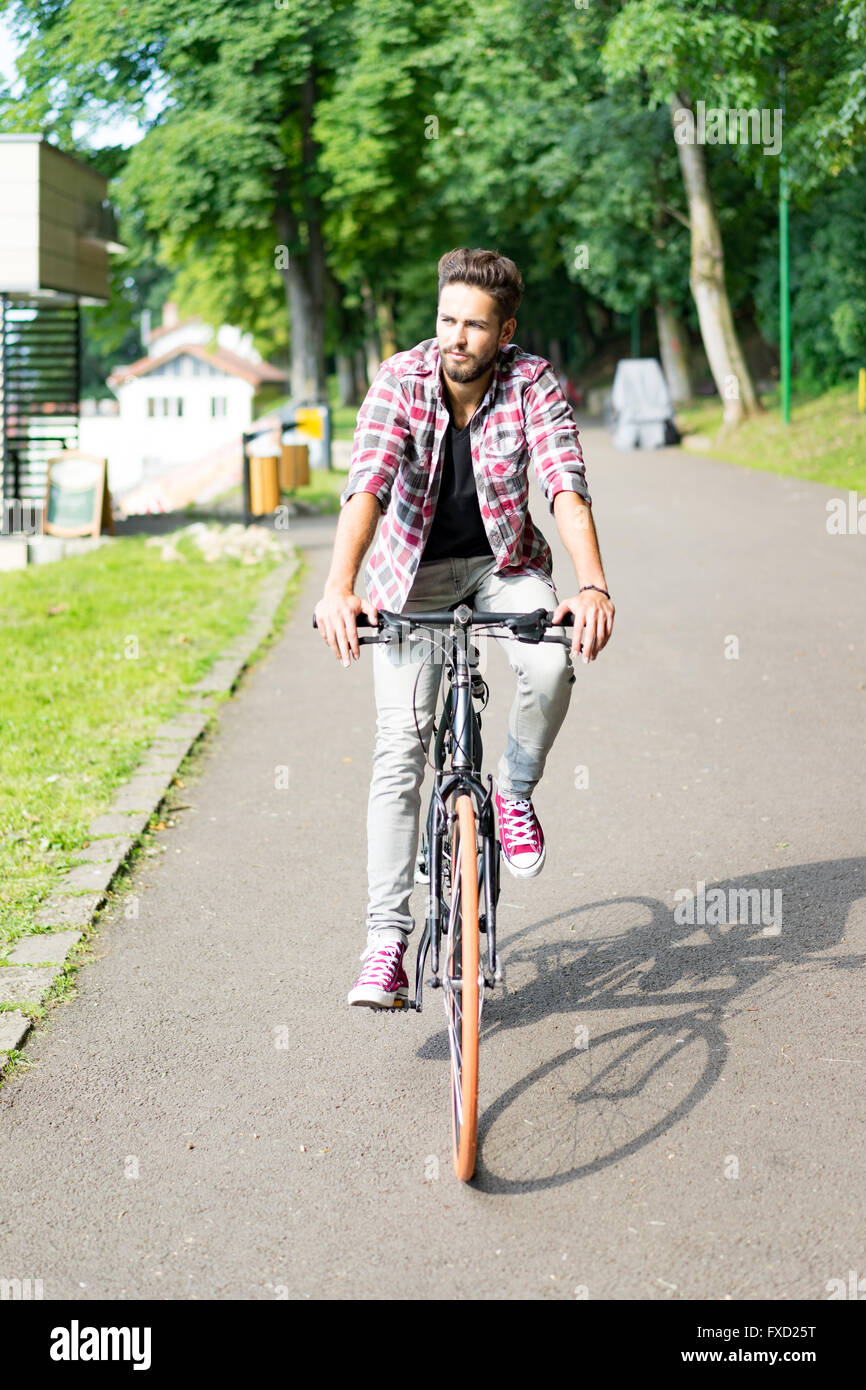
[486,270]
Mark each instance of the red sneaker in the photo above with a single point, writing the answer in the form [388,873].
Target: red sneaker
[522,837]
[382,984]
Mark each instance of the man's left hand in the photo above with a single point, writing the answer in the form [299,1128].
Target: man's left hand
[593,621]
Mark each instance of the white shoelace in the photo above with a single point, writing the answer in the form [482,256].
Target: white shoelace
[521,823]
[384,958]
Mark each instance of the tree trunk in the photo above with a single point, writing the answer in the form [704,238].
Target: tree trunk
[372,352]
[673,346]
[554,354]
[707,280]
[304,356]
[347,391]
[347,378]
[385,322]
[303,274]
[586,330]
[361,375]
[315,240]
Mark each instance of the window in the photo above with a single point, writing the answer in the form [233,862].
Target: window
[202,368]
[219,406]
[173,367]
[164,405]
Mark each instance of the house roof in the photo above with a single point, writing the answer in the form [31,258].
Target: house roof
[256,373]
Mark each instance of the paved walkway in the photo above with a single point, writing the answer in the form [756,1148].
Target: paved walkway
[671,1109]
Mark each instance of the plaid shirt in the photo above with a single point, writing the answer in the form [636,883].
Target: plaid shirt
[397,454]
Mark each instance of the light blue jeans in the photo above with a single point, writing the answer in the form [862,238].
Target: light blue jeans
[545,677]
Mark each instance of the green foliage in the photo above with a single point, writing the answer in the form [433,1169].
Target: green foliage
[528,125]
[828,285]
[111,333]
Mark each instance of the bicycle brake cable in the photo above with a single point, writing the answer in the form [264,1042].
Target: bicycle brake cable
[434,730]
[483,631]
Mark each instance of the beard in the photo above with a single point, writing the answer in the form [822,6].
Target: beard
[470,369]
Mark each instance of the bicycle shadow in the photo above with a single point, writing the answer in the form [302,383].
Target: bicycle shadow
[609,1093]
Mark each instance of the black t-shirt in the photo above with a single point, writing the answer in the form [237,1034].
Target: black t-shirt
[457,527]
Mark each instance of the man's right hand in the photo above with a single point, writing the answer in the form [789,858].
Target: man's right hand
[335,619]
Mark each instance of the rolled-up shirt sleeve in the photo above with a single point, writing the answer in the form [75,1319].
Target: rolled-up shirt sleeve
[551,434]
[381,431]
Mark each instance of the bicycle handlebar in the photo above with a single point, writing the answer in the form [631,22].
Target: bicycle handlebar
[525,626]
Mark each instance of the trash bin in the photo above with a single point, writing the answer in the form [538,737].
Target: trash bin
[294,462]
[264,457]
[308,422]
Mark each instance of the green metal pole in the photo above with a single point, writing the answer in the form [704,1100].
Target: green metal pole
[635,332]
[784,293]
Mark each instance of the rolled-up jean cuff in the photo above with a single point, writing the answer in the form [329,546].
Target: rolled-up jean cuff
[379,935]
[508,789]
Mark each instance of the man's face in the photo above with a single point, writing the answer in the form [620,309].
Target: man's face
[468,332]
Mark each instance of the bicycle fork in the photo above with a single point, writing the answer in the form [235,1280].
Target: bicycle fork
[439,825]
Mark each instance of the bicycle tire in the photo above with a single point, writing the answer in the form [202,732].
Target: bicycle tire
[461,1004]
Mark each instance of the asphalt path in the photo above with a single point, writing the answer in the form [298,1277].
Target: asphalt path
[671,1109]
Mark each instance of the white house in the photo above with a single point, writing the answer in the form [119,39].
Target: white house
[182,409]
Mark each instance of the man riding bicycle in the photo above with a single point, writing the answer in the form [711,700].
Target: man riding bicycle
[442,445]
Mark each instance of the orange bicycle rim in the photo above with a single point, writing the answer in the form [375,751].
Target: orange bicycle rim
[466,1134]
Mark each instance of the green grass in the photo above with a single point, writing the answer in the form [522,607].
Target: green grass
[343,419]
[85,687]
[63,989]
[825,441]
[323,489]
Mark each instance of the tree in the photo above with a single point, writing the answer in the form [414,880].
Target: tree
[231,160]
[680,47]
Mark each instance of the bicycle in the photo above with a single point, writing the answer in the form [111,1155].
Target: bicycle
[459,851]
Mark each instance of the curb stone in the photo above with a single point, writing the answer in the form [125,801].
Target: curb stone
[116,847]
[26,984]
[61,911]
[141,794]
[162,762]
[123,823]
[187,725]
[52,947]
[95,876]
[112,823]
[14,1027]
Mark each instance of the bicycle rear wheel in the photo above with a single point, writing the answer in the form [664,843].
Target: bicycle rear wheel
[461,984]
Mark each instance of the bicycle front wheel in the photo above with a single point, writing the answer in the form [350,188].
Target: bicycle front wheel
[461,981]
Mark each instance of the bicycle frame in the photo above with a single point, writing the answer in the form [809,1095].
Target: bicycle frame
[464,978]
[463,723]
